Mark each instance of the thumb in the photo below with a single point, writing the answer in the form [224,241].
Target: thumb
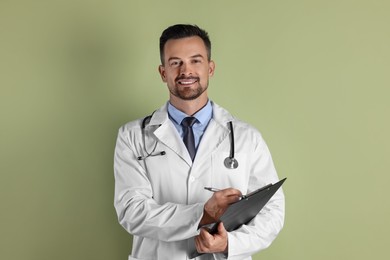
[221,228]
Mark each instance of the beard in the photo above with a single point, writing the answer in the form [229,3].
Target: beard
[188,93]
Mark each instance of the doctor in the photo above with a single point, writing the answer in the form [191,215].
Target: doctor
[162,165]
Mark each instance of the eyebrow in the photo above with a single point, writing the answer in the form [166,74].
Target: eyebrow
[193,56]
[197,56]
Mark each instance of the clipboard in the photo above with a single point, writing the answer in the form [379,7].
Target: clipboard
[244,210]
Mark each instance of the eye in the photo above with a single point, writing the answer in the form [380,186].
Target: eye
[174,63]
[196,61]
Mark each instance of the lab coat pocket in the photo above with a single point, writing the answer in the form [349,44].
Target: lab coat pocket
[224,177]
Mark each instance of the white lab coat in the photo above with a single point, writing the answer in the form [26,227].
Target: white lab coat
[159,200]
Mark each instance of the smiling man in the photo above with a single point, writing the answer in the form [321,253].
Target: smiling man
[186,68]
[163,162]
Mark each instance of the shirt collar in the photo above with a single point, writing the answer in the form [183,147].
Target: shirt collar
[203,116]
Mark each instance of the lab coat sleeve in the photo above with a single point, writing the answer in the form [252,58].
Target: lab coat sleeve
[137,211]
[263,229]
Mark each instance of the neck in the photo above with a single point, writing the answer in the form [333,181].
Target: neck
[189,107]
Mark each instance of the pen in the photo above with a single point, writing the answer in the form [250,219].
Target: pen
[215,190]
[211,189]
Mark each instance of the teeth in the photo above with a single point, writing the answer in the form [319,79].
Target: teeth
[187,82]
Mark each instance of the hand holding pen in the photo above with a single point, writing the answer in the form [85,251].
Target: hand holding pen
[218,203]
[216,189]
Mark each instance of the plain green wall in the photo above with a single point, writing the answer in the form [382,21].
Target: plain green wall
[313,76]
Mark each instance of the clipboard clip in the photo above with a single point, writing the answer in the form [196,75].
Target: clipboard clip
[256,191]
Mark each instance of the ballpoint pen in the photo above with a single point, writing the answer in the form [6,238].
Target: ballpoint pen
[211,189]
[215,190]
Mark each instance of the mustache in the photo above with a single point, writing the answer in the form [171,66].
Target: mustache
[184,77]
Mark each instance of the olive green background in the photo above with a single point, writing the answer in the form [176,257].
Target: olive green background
[313,76]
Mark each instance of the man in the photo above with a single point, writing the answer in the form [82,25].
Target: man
[163,162]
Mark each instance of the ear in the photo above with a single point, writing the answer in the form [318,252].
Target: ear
[161,70]
[211,68]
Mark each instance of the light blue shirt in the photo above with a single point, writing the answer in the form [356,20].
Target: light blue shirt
[203,116]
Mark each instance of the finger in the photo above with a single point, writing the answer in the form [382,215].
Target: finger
[229,195]
[231,192]
[221,229]
[199,246]
[202,241]
[204,234]
[232,199]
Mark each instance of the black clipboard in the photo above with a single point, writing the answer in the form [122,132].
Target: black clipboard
[244,210]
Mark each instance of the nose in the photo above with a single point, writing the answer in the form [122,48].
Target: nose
[185,69]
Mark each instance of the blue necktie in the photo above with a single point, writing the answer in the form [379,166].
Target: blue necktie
[188,135]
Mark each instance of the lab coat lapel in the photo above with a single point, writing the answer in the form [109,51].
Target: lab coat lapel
[216,132]
[214,135]
[168,135]
[212,138]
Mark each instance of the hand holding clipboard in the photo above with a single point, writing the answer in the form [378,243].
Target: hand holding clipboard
[244,210]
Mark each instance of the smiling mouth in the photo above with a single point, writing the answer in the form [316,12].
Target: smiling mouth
[188,81]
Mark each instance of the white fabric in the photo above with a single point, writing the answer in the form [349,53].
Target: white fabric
[160,200]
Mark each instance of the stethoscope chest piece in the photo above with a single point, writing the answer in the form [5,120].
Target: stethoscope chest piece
[230,163]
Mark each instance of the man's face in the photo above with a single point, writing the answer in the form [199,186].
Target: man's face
[186,69]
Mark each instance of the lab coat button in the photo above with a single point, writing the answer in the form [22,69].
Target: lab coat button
[192,178]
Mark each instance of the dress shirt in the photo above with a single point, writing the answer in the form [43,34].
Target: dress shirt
[203,116]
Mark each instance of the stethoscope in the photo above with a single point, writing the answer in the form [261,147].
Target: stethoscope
[230,162]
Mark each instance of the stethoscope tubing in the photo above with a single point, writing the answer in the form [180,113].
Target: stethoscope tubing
[229,162]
